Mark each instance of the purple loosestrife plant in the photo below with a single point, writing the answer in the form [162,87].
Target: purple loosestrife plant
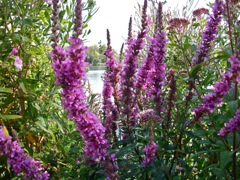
[110,111]
[142,75]
[231,126]
[153,71]
[151,75]
[210,32]
[130,68]
[69,67]
[113,69]
[20,161]
[110,88]
[150,151]
[156,77]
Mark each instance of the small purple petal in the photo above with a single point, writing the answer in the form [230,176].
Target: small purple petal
[14,51]
[18,63]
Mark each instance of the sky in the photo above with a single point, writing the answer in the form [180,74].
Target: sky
[114,15]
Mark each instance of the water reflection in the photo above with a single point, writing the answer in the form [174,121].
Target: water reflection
[95,78]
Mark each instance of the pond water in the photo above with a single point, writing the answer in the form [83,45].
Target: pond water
[95,77]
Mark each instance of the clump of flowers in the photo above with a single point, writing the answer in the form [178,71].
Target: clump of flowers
[150,151]
[231,126]
[148,115]
[210,32]
[20,161]
[176,23]
[198,12]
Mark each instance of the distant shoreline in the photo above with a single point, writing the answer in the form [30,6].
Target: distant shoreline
[97,67]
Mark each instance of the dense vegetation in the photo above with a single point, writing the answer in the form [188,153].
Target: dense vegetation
[169,107]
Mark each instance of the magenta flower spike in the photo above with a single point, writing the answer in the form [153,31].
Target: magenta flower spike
[150,151]
[110,89]
[152,71]
[231,126]
[210,32]
[235,67]
[19,161]
[221,88]
[213,99]
[130,68]
[113,70]
[69,66]
[156,77]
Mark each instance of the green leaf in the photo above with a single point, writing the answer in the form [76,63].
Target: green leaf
[184,164]
[27,22]
[59,122]
[22,87]
[196,24]
[232,105]
[186,46]
[190,134]
[41,126]
[123,151]
[6,90]
[194,71]
[225,158]
[8,117]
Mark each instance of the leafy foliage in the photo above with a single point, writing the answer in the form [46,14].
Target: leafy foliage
[30,101]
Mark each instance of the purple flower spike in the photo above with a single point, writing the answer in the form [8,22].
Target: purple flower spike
[235,67]
[144,70]
[151,75]
[231,126]
[150,151]
[213,99]
[69,67]
[110,88]
[220,89]
[210,32]
[110,111]
[130,68]
[20,161]
[156,78]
